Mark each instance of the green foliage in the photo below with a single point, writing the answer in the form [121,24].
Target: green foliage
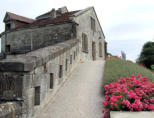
[152,67]
[147,55]
[116,68]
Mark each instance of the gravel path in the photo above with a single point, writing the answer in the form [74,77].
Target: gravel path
[80,97]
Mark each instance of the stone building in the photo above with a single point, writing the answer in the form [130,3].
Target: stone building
[39,54]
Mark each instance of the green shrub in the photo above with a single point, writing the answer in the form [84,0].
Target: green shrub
[116,68]
[152,67]
[147,54]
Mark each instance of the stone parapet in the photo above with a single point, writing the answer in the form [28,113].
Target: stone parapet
[29,61]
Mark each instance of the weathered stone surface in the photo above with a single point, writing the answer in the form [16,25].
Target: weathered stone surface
[2,56]
[11,66]
[27,81]
[11,86]
[10,110]
[34,38]
[143,114]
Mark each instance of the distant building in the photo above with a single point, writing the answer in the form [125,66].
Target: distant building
[123,55]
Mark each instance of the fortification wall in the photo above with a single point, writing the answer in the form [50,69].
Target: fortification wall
[40,73]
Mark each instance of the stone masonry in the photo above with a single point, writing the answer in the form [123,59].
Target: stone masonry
[39,55]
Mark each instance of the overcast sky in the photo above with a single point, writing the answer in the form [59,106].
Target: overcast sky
[127,24]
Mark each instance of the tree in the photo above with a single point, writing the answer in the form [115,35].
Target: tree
[147,55]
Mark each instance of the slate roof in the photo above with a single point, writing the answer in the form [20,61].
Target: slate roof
[20,18]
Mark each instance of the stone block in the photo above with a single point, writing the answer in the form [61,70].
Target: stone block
[37,80]
[39,70]
[143,114]
[29,66]
[27,81]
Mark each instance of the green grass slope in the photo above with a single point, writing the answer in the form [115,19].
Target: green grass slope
[116,68]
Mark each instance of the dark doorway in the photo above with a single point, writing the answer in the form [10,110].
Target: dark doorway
[93,51]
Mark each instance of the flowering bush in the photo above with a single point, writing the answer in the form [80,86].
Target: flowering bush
[129,94]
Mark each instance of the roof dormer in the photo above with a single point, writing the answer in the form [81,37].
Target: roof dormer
[13,21]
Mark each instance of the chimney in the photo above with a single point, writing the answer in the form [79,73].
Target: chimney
[63,9]
[53,13]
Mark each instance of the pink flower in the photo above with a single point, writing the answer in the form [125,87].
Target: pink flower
[152,100]
[125,90]
[137,105]
[126,102]
[105,103]
[133,76]
[151,107]
[129,93]
[106,97]
[138,75]
[146,101]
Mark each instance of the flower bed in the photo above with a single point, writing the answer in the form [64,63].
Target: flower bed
[129,94]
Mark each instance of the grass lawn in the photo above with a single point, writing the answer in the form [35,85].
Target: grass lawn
[116,68]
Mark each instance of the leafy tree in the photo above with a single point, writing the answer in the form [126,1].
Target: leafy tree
[147,55]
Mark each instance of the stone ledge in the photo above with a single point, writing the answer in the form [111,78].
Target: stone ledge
[125,114]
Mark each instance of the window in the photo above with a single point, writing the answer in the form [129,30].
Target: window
[105,45]
[8,26]
[8,48]
[37,96]
[84,43]
[76,52]
[100,49]
[70,59]
[45,67]
[60,71]
[93,26]
[74,55]
[66,62]
[51,80]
